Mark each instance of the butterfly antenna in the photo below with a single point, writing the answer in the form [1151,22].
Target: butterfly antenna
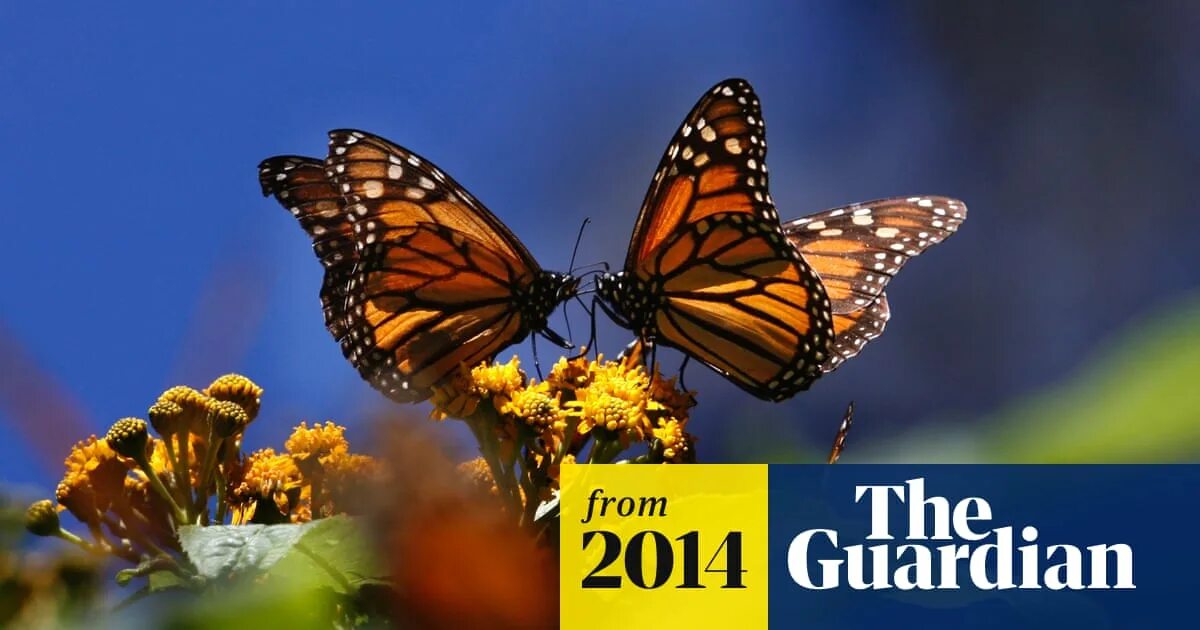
[578,240]
[839,441]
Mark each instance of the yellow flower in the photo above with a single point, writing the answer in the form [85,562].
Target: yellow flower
[453,397]
[268,476]
[319,441]
[571,374]
[238,389]
[614,400]
[666,394]
[499,380]
[166,417]
[460,394]
[536,406]
[41,519]
[94,479]
[345,477]
[674,445]
[479,475]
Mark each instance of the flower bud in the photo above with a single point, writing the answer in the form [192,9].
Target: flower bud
[41,519]
[166,417]
[228,418]
[239,389]
[128,437]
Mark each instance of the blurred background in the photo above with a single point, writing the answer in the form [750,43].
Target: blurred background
[1061,324]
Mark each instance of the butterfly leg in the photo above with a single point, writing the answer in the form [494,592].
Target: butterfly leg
[591,344]
[537,364]
[687,358]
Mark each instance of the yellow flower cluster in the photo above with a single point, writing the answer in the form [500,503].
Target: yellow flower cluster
[315,477]
[132,489]
[590,410]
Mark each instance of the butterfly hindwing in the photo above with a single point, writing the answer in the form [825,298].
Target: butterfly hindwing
[736,296]
[852,331]
[426,301]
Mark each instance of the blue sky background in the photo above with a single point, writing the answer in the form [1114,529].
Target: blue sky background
[139,253]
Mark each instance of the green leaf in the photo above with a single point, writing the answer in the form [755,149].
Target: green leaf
[221,551]
[334,553]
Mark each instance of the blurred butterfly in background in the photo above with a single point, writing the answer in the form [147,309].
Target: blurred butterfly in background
[420,277]
[712,272]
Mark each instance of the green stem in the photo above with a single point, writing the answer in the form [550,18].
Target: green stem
[75,540]
[183,471]
[210,461]
[157,484]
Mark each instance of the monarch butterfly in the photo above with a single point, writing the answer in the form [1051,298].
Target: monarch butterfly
[420,277]
[711,272]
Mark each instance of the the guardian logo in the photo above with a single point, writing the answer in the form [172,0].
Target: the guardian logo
[973,556]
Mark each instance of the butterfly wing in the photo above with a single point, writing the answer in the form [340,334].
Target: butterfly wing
[299,184]
[713,164]
[438,276]
[734,294]
[737,297]
[386,186]
[426,301]
[858,249]
[852,331]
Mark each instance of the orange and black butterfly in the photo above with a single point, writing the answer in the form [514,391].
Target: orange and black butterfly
[711,272]
[420,277]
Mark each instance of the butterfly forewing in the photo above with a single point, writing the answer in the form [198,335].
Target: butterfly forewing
[713,164]
[299,184]
[858,248]
[439,281]
[387,187]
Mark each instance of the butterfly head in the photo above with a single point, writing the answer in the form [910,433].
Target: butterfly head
[545,293]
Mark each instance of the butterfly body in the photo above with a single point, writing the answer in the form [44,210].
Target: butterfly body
[631,302]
